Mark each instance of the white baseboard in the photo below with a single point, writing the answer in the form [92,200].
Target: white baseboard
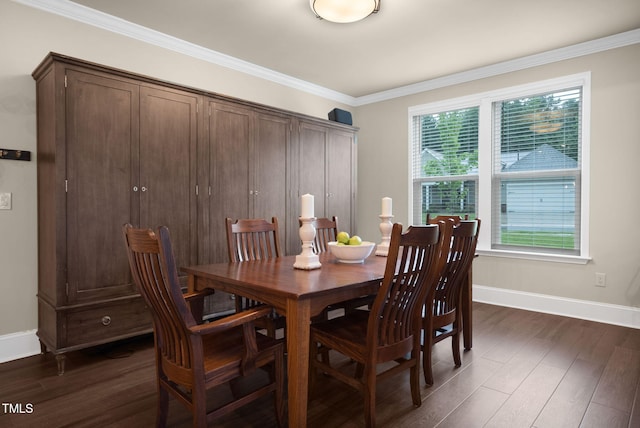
[18,345]
[25,344]
[626,316]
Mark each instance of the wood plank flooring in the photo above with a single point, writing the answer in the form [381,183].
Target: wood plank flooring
[526,369]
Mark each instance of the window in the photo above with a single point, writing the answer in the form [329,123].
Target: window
[516,158]
[445,166]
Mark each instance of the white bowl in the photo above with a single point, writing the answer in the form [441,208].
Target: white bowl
[351,253]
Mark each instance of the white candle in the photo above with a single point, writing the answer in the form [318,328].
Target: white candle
[306,210]
[386,206]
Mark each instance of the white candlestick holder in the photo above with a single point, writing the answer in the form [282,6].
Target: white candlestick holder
[307,260]
[385,229]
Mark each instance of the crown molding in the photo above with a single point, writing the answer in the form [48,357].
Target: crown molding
[574,51]
[86,15]
[76,12]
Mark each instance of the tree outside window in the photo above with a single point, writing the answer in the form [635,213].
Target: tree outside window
[449,156]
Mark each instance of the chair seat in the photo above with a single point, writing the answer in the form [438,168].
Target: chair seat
[224,351]
[346,334]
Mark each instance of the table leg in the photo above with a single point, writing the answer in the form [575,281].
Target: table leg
[467,307]
[298,321]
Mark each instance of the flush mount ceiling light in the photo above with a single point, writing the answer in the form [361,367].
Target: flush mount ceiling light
[344,11]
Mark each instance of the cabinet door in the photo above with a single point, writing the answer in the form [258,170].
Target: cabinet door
[326,169]
[269,168]
[340,167]
[229,180]
[167,182]
[311,166]
[101,158]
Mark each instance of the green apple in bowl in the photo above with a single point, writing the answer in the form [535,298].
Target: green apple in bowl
[343,238]
[355,240]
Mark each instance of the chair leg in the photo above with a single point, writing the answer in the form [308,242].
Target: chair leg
[163,408]
[279,380]
[369,395]
[199,409]
[414,373]
[415,385]
[455,346]
[324,355]
[313,355]
[271,330]
[426,357]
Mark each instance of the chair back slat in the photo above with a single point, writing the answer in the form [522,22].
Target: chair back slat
[252,239]
[413,265]
[154,271]
[326,231]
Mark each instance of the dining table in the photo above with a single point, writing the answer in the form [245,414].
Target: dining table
[297,294]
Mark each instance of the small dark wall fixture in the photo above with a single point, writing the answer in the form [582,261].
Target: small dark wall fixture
[23,155]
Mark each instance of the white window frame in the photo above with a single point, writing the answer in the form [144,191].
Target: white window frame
[484,101]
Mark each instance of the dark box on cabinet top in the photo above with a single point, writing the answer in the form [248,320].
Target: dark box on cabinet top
[341,116]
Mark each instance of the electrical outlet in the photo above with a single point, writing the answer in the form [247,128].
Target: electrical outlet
[601,279]
[5,201]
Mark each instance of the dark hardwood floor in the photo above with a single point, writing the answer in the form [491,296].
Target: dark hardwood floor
[526,369]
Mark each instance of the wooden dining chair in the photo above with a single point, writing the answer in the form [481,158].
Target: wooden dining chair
[456,218]
[443,303]
[326,231]
[467,292]
[255,239]
[192,358]
[390,331]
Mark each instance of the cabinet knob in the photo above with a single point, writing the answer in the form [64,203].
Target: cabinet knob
[144,189]
[135,188]
[106,320]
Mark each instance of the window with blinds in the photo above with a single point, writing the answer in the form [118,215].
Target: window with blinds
[536,172]
[445,164]
[517,158]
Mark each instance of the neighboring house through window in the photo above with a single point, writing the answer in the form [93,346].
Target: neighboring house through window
[517,158]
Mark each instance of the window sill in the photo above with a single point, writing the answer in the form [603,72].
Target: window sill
[556,258]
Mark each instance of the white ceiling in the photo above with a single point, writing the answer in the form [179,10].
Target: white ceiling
[407,42]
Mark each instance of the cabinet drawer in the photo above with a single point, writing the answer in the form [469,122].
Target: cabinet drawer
[110,321]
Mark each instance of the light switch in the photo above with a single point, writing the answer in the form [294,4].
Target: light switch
[5,201]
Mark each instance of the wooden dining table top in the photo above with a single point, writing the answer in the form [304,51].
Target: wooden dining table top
[274,281]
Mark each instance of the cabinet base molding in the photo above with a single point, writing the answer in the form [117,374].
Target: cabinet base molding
[67,330]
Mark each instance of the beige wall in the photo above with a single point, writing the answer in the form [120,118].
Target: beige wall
[28,35]
[615,177]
